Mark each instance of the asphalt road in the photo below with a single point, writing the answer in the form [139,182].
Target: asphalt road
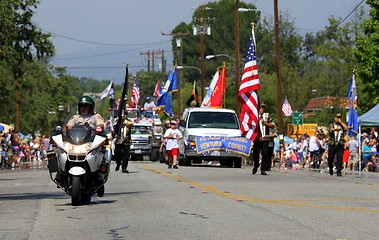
[153,202]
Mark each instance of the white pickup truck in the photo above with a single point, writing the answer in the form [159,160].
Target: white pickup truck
[210,122]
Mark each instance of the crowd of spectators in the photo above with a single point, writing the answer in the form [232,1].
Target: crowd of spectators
[17,149]
[308,152]
[312,152]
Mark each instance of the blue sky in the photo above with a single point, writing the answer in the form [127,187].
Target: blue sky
[136,26]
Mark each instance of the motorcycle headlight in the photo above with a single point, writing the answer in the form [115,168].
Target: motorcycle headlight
[76,149]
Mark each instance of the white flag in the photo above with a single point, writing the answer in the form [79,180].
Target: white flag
[108,92]
[207,99]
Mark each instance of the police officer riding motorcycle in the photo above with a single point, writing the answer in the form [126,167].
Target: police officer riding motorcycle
[81,157]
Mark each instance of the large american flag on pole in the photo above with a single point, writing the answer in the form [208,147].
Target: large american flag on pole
[247,94]
[134,100]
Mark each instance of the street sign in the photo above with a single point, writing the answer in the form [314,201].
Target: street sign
[297,118]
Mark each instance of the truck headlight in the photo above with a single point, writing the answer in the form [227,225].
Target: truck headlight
[191,140]
[76,149]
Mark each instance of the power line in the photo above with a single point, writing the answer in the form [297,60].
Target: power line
[104,54]
[105,67]
[98,43]
[350,13]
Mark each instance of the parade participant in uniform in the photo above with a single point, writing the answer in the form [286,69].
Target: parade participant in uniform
[336,144]
[172,135]
[261,143]
[87,117]
[122,145]
[86,114]
[272,135]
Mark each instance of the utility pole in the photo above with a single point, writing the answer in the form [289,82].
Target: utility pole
[202,50]
[278,74]
[179,48]
[202,28]
[237,54]
[152,62]
[178,41]
[163,62]
[17,76]
[151,56]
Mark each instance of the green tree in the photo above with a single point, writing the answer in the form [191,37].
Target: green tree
[367,53]
[220,16]
[21,43]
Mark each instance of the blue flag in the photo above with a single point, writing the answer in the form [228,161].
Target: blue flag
[165,103]
[352,124]
[168,106]
[173,78]
[165,100]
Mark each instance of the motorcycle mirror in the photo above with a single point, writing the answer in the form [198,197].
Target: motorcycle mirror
[99,130]
[57,129]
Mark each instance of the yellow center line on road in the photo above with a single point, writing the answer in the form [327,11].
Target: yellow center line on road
[327,200]
[333,178]
[279,202]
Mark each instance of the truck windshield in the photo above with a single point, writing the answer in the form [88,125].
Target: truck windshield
[213,120]
[140,131]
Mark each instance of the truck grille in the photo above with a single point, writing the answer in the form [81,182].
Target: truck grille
[140,142]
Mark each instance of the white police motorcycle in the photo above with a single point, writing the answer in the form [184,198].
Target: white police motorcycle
[79,162]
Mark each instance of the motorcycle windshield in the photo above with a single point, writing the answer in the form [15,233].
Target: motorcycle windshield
[79,135]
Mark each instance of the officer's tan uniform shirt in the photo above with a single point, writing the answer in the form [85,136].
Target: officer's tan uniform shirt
[92,120]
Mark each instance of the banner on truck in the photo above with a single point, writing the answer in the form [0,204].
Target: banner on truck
[239,145]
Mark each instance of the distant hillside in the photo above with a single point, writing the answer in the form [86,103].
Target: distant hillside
[106,63]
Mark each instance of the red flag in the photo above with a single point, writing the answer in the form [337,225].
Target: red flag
[216,98]
[157,89]
[247,94]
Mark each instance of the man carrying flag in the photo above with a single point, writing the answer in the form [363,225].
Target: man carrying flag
[247,95]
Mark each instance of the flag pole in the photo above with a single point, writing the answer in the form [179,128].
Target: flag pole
[253,24]
[223,87]
[359,138]
[278,72]
[121,107]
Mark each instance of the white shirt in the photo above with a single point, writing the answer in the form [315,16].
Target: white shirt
[149,106]
[313,144]
[172,142]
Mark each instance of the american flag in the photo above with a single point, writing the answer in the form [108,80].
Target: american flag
[134,100]
[286,108]
[247,94]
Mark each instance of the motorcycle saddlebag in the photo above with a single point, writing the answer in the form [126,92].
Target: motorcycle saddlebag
[52,161]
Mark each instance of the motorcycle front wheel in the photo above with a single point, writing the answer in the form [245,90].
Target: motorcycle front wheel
[75,190]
